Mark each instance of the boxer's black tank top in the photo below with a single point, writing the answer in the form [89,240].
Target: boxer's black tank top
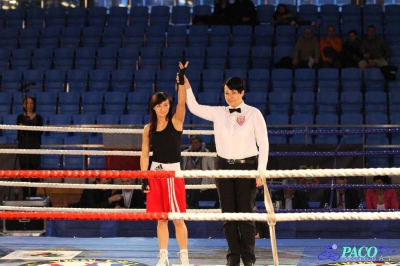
[166,145]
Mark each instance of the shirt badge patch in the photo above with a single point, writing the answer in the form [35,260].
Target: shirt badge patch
[240,120]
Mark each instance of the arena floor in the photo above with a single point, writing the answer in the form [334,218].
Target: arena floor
[53,251]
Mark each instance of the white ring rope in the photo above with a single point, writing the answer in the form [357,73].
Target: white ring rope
[87,186]
[218,216]
[101,129]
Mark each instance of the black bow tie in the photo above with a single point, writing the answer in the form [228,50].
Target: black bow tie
[235,110]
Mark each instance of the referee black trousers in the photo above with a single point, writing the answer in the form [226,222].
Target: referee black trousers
[237,195]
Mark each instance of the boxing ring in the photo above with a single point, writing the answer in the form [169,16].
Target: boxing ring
[266,250]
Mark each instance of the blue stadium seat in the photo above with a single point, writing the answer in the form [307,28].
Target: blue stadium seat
[220,36]
[258,79]
[326,119]
[91,36]
[302,122]
[83,119]
[85,58]
[106,58]
[328,80]
[308,13]
[373,14]
[134,36]
[328,102]
[56,17]
[285,35]
[46,103]
[150,58]
[166,80]
[277,119]
[60,120]
[138,102]
[70,36]
[15,18]
[304,80]
[29,38]
[11,120]
[265,13]
[5,103]
[170,56]
[114,102]
[374,79]
[216,57]
[209,98]
[128,58]
[145,80]
[63,58]
[21,59]
[35,76]
[9,39]
[282,51]
[160,15]
[97,16]
[112,37]
[201,11]
[99,80]
[392,13]
[54,80]
[394,101]
[196,55]
[194,75]
[351,79]
[131,119]
[376,102]
[303,102]
[97,162]
[92,102]
[69,103]
[180,15]
[236,72]
[330,14]
[281,80]
[279,102]
[155,36]
[4,59]
[239,57]
[213,79]
[242,35]
[11,80]
[35,17]
[121,80]
[264,35]
[42,58]
[351,102]
[257,99]
[198,36]
[118,16]
[77,80]
[351,13]
[76,16]
[107,119]
[139,16]
[177,36]
[261,56]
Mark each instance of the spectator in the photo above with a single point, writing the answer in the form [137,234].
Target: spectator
[131,198]
[375,50]
[291,198]
[282,16]
[262,230]
[330,47]
[381,199]
[221,12]
[196,163]
[343,198]
[306,51]
[29,140]
[351,52]
[98,198]
[243,12]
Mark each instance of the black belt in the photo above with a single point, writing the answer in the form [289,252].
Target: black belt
[249,160]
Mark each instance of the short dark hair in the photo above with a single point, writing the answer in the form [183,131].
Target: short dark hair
[235,83]
[352,31]
[198,137]
[385,178]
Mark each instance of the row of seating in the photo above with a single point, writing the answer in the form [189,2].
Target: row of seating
[147,80]
[100,16]
[175,35]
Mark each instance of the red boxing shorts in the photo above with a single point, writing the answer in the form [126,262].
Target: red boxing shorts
[166,194]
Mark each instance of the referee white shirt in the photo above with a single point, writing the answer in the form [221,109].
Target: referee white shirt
[237,135]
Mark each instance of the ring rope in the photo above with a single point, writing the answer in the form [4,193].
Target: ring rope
[343,172]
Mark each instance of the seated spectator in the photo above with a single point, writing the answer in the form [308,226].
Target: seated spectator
[262,230]
[197,163]
[131,198]
[221,12]
[98,198]
[375,50]
[343,198]
[351,52]
[282,16]
[243,12]
[330,47]
[381,199]
[290,198]
[306,51]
